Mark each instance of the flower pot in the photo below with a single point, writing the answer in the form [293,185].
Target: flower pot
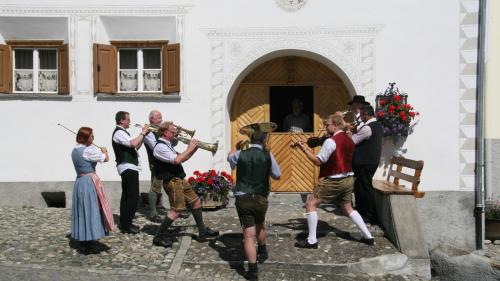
[213,200]
[492,229]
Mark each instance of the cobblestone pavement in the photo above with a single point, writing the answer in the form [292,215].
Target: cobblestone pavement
[35,245]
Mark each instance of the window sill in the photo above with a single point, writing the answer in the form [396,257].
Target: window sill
[35,96]
[139,97]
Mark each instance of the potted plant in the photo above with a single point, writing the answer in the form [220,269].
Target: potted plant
[394,113]
[492,220]
[212,187]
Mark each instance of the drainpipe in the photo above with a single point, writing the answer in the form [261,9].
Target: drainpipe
[479,165]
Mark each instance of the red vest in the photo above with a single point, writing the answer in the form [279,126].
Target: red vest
[340,160]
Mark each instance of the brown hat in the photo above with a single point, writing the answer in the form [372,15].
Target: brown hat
[358,99]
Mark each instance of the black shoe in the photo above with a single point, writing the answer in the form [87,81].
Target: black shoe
[208,233]
[252,275]
[133,229]
[367,241]
[304,244]
[155,218]
[163,241]
[263,256]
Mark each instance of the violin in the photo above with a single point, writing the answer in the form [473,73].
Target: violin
[312,142]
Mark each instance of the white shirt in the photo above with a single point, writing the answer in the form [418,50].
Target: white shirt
[92,153]
[327,149]
[150,140]
[165,153]
[124,139]
[365,132]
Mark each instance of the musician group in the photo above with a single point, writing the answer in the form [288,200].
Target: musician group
[348,159]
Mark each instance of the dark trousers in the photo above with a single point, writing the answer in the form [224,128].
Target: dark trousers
[130,197]
[363,191]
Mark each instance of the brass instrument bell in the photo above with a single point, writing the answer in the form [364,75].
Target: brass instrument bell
[266,127]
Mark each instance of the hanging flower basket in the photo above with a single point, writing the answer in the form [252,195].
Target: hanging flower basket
[394,113]
[212,187]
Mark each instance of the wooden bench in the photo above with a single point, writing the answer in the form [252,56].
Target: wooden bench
[388,187]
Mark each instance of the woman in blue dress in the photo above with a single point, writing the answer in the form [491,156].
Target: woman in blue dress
[91,218]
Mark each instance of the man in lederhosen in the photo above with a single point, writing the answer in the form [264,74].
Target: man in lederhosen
[336,180]
[168,167]
[253,168]
[127,160]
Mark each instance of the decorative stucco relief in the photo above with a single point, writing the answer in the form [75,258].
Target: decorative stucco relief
[236,51]
[467,90]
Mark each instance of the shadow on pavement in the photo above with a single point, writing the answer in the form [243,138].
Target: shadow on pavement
[322,230]
[87,247]
[230,249]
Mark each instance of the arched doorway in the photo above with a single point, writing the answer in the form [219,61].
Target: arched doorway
[258,97]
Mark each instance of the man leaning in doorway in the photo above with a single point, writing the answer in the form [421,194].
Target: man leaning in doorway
[127,160]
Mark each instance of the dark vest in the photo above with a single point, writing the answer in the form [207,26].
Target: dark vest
[253,171]
[166,171]
[368,151]
[340,160]
[124,154]
[150,153]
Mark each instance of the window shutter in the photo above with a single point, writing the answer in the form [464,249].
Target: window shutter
[5,69]
[105,69]
[171,68]
[63,69]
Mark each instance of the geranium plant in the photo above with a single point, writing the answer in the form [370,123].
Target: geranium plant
[394,113]
[218,182]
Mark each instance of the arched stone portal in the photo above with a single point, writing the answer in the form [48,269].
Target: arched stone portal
[252,103]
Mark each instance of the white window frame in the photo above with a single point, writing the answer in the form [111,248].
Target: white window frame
[35,71]
[140,71]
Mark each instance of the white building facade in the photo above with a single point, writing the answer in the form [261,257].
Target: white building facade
[429,48]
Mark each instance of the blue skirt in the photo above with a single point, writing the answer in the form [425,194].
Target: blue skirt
[86,220]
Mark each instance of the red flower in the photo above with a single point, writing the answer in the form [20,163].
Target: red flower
[412,114]
[197,173]
[382,102]
[392,108]
[205,174]
[213,173]
[210,182]
[402,114]
[200,180]
[191,179]
[380,114]
[397,98]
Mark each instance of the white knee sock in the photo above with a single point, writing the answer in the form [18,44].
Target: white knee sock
[312,224]
[358,220]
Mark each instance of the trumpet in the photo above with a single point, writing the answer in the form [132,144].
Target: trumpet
[212,147]
[190,133]
[152,128]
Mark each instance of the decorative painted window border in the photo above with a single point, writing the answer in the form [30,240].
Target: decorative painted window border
[86,14]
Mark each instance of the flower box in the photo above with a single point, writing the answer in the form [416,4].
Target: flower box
[212,187]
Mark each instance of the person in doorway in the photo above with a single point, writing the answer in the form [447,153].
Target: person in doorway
[336,180]
[91,216]
[127,161]
[154,195]
[297,121]
[253,167]
[366,159]
[168,167]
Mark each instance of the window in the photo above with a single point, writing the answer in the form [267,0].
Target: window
[137,67]
[34,67]
[35,70]
[139,70]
